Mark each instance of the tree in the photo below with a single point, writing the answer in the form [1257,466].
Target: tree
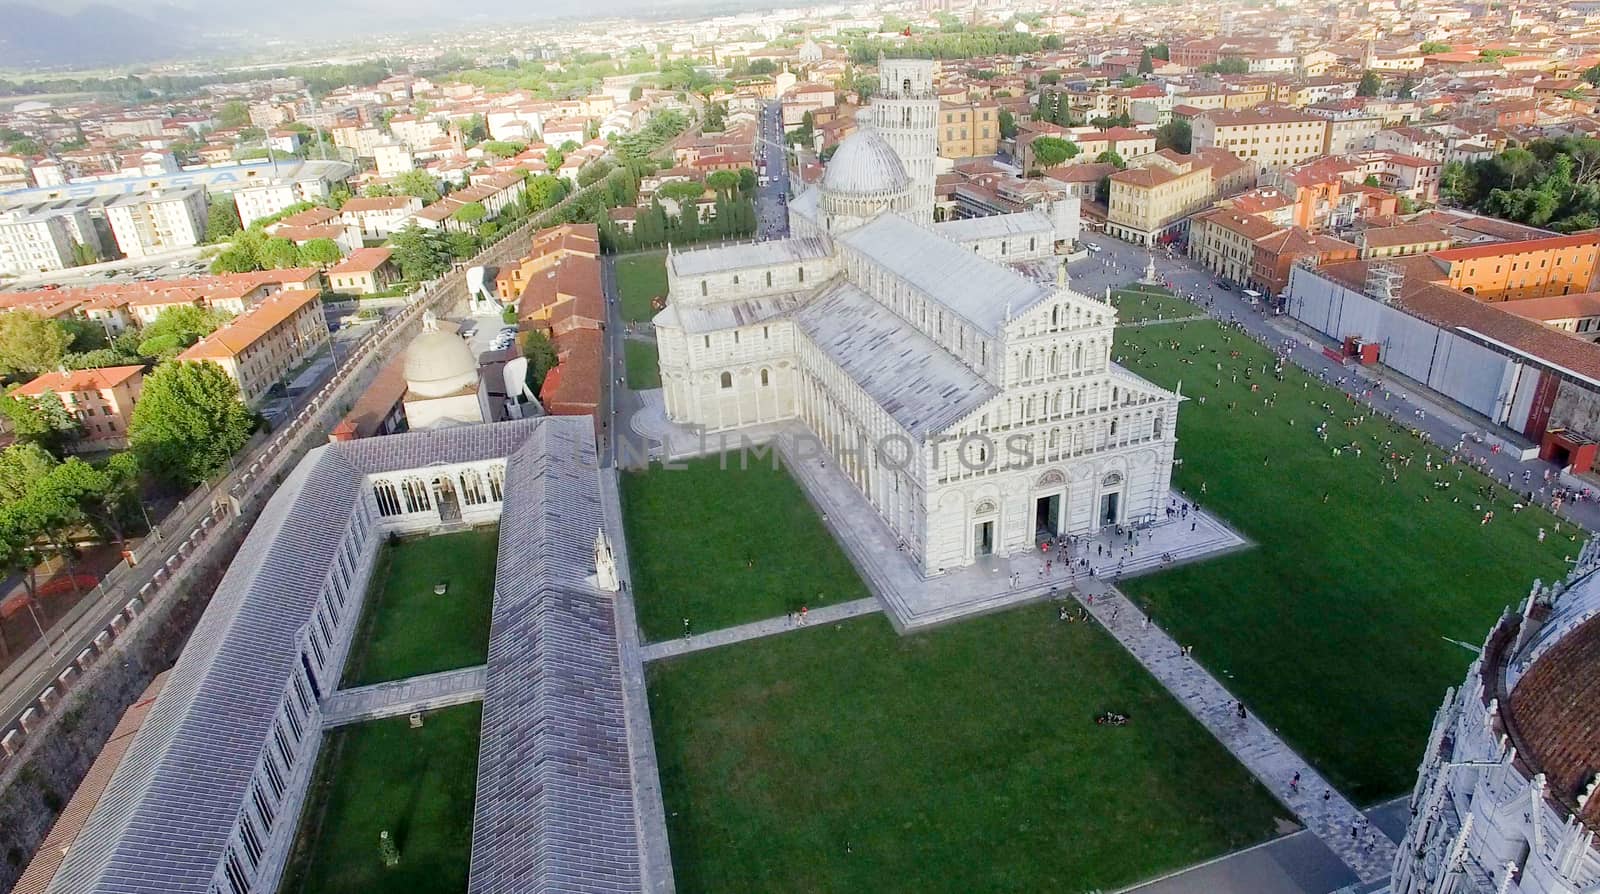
[222,219]
[43,420]
[1160,51]
[189,422]
[681,191]
[420,254]
[31,344]
[1147,62]
[1431,47]
[470,213]
[1369,85]
[235,259]
[1592,75]
[21,465]
[541,356]
[100,358]
[1051,151]
[1408,88]
[1175,135]
[544,191]
[277,253]
[1008,124]
[234,113]
[635,92]
[1228,65]
[83,254]
[419,184]
[1110,157]
[723,181]
[177,328]
[319,252]
[461,245]
[747,181]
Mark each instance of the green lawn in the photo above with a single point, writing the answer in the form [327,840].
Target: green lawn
[643,364]
[1136,303]
[641,277]
[848,758]
[1333,627]
[727,546]
[406,629]
[383,775]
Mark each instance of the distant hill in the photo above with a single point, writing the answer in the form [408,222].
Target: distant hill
[91,36]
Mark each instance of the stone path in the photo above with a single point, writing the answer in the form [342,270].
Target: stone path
[826,614]
[1323,811]
[424,693]
[657,868]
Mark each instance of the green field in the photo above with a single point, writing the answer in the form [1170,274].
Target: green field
[641,277]
[418,784]
[643,364]
[406,629]
[727,546]
[847,758]
[1138,303]
[1334,627]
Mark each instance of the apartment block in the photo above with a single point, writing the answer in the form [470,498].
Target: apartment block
[157,221]
[1267,137]
[259,348]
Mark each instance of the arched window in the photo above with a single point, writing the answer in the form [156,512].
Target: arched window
[497,482]
[1156,431]
[1055,315]
[1113,428]
[388,499]
[764,380]
[472,487]
[1027,364]
[802,274]
[1055,360]
[727,380]
[416,493]
[1077,357]
[703,288]
[769,277]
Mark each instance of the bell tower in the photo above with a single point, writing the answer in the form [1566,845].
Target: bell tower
[906,112]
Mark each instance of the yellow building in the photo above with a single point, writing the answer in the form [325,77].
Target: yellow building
[1223,241]
[1154,198]
[969,129]
[1268,137]
[258,348]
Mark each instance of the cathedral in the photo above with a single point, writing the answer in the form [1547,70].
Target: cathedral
[948,369]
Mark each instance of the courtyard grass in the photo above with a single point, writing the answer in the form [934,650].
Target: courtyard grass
[406,629]
[418,784]
[643,364]
[725,546]
[848,758]
[1333,628]
[640,277]
[1138,303]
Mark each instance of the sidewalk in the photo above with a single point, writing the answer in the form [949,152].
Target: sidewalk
[827,614]
[394,697]
[1325,812]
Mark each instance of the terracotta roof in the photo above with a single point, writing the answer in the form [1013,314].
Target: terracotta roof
[80,380]
[377,203]
[1081,173]
[1556,708]
[52,851]
[1145,177]
[1556,307]
[572,388]
[1513,248]
[1247,225]
[362,260]
[1405,234]
[245,329]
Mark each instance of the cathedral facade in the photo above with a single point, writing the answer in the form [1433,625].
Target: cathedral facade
[947,369]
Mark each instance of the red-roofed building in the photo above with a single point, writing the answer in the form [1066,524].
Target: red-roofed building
[1510,271]
[101,399]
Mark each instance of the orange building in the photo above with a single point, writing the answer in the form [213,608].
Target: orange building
[556,290]
[1508,271]
[102,399]
[548,249]
[259,348]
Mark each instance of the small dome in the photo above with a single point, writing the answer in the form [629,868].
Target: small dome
[863,165]
[439,363]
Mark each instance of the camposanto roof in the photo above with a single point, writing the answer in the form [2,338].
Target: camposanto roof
[162,824]
[968,229]
[749,254]
[978,290]
[555,809]
[919,384]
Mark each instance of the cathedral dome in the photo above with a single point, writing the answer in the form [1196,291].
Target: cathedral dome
[865,165]
[1555,704]
[439,363]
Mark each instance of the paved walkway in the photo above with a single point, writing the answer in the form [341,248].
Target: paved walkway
[653,843]
[425,693]
[1323,811]
[727,636]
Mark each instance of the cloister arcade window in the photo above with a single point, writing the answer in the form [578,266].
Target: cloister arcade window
[417,498]
[472,487]
[388,499]
[497,482]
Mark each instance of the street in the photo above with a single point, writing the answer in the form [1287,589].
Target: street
[772,209]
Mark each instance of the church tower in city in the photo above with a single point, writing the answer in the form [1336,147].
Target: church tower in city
[905,111]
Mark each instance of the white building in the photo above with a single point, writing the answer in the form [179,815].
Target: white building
[392,159]
[1506,801]
[34,243]
[948,370]
[906,113]
[260,200]
[159,220]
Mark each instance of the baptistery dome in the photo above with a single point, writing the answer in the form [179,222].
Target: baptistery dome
[439,363]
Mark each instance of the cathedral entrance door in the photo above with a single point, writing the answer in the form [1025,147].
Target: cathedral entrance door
[1110,510]
[1047,517]
[983,538]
